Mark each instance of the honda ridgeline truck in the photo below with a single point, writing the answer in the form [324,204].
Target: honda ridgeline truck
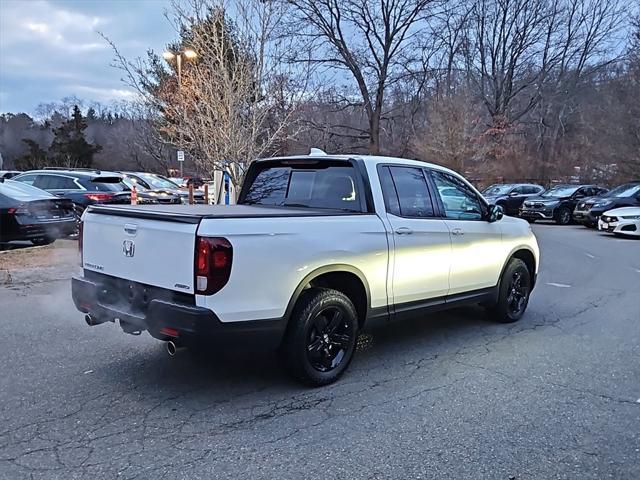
[318,247]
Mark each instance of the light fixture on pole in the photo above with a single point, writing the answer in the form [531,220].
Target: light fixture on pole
[169,56]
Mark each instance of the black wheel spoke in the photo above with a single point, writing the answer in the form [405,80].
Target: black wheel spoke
[340,340]
[320,323]
[330,338]
[315,345]
[335,322]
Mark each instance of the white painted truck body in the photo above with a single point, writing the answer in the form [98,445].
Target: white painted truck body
[402,261]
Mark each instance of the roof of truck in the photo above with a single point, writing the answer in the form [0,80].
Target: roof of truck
[373,159]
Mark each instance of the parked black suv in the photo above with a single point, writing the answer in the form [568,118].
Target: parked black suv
[589,210]
[510,196]
[558,202]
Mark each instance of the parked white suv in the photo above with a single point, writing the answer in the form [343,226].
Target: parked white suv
[317,248]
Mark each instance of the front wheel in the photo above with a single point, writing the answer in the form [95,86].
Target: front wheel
[321,336]
[563,216]
[513,297]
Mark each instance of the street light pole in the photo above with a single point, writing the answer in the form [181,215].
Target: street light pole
[179,64]
[188,55]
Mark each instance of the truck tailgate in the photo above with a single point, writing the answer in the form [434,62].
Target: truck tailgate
[158,252]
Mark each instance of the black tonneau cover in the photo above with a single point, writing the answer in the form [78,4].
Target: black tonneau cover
[195,213]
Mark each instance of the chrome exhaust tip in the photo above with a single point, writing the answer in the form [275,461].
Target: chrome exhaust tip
[90,320]
[172,348]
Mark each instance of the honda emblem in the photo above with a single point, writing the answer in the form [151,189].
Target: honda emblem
[128,248]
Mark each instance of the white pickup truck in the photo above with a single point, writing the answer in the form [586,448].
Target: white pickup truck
[318,247]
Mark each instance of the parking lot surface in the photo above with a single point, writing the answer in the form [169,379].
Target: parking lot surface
[451,395]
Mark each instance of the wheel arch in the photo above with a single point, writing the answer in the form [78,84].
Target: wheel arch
[528,257]
[342,277]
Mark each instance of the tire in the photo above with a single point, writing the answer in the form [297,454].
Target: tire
[563,216]
[42,241]
[321,337]
[511,304]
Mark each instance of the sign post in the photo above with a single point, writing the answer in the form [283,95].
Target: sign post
[180,160]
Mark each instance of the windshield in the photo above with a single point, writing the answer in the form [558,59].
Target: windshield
[332,187]
[560,191]
[625,191]
[497,190]
[158,181]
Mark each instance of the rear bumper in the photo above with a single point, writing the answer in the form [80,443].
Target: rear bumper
[30,231]
[170,320]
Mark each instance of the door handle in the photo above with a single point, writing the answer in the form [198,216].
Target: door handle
[457,231]
[404,231]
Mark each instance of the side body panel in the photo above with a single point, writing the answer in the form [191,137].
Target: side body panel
[272,256]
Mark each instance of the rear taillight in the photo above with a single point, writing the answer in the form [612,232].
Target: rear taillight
[214,256]
[99,197]
[20,210]
[80,245]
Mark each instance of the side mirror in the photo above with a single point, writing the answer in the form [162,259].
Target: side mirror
[513,194]
[496,212]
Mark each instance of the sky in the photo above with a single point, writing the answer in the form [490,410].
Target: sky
[51,49]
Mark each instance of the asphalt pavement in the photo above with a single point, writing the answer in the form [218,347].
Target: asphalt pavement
[448,396]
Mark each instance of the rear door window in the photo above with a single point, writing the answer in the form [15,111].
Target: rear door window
[55,182]
[29,179]
[413,194]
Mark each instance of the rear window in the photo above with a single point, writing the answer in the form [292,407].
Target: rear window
[326,186]
[105,184]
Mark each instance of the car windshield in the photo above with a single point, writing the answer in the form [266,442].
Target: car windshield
[560,191]
[497,190]
[158,181]
[330,186]
[625,191]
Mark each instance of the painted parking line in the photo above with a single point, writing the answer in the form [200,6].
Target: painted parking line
[559,285]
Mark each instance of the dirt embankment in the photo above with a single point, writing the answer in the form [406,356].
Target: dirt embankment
[57,261]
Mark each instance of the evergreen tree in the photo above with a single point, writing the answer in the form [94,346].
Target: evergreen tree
[34,159]
[69,147]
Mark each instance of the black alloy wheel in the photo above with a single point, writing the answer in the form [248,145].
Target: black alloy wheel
[513,295]
[518,295]
[321,335]
[330,337]
[563,217]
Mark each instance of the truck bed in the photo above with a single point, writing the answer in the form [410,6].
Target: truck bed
[195,213]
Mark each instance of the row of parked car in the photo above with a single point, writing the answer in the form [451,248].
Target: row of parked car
[616,211]
[42,205]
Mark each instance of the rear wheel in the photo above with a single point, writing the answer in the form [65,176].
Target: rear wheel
[321,336]
[46,240]
[563,216]
[513,297]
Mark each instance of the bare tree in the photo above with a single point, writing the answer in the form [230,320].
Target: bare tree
[374,41]
[235,101]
